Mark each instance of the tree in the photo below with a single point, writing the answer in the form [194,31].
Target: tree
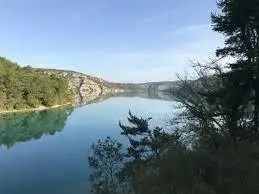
[219,118]
[144,142]
[105,162]
[239,22]
[231,168]
[26,88]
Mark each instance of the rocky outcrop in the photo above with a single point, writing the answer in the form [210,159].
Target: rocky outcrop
[85,88]
[149,87]
[88,89]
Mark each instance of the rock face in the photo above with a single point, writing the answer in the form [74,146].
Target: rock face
[149,87]
[86,88]
[89,89]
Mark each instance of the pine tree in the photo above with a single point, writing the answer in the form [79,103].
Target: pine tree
[239,22]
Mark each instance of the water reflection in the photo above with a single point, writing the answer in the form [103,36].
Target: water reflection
[141,94]
[58,163]
[22,127]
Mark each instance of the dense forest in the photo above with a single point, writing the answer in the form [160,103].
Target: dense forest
[213,144]
[23,87]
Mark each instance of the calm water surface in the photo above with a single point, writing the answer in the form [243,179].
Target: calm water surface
[46,152]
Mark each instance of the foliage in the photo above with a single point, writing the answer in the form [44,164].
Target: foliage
[144,141]
[239,22]
[145,146]
[231,168]
[23,87]
[106,161]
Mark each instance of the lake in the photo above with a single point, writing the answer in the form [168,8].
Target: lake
[47,152]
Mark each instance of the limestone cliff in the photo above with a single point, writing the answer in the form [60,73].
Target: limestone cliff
[89,89]
[85,88]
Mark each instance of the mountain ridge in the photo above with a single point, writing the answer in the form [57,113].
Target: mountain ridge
[87,88]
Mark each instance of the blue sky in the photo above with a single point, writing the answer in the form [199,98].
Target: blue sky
[118,40]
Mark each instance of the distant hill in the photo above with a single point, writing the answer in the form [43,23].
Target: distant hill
[27,87]
[88,88]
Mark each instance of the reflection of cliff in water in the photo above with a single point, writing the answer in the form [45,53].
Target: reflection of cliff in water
[141,94]
[22,127]
[150,95]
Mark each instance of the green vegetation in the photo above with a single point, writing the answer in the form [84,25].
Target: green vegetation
[23,87]
[213,146]
[22,127]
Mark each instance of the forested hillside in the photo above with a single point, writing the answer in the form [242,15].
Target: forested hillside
[23,87]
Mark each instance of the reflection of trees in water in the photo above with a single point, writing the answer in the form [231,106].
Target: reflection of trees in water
[22,127]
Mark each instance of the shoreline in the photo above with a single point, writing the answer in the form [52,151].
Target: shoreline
[40,108]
